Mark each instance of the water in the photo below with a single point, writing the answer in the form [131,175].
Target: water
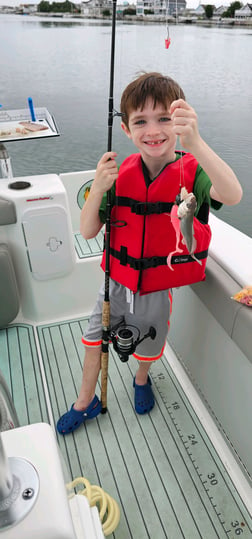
[64,65]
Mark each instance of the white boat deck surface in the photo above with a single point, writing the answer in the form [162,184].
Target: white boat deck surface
[161,468]
[88,248]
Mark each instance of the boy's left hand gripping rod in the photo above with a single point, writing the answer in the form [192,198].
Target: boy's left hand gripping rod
[106,302]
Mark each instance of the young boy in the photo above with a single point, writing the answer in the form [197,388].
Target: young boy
[154,114]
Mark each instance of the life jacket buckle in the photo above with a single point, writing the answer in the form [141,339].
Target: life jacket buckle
[147,208]
[139,208]
[137,264]
[145,263]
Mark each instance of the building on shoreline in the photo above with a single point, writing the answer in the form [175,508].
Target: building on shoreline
[160,8]
[245,12]
[143,10]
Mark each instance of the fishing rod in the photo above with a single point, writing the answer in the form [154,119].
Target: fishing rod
[106,302]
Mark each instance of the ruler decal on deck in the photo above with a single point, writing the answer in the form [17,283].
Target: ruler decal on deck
[210,472]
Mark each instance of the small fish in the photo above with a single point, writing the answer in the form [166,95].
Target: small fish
[176,225]
[182,221]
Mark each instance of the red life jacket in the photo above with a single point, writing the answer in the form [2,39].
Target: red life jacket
[145,236]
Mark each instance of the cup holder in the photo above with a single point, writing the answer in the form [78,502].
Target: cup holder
[19,185]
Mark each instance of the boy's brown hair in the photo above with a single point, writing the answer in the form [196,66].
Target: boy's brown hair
[161,89]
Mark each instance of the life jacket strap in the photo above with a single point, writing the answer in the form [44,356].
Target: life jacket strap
[140,264]
[144,208]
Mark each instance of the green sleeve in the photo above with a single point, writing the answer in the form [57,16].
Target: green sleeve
[102,210]
[201,189]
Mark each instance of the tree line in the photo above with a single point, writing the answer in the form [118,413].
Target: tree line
[69,7]
[229,13]
[58,7]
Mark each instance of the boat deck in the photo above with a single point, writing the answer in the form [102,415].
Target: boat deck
[88,248]
[162,468]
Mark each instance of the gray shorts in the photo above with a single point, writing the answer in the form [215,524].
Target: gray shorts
[136,311]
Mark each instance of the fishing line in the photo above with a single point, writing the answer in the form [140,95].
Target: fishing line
[181,171]
[167,39]
[181,163]
[167,44]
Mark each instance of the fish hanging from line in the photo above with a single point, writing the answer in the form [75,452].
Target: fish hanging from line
[182,221]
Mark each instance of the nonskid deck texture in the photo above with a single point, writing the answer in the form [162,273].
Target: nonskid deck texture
[161,468]
[87,248]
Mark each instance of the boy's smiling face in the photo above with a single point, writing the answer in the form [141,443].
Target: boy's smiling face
[151,130]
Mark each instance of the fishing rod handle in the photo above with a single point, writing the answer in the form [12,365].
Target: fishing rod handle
[105,354]
[106,314]
[104,381]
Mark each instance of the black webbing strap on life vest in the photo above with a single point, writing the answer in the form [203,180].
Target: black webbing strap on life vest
[144,208]
[153,261]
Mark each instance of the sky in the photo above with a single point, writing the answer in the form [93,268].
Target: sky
[189,3]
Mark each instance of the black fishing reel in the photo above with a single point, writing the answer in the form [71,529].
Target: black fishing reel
[122,338]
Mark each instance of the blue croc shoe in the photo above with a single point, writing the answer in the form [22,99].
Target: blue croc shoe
[71,420]
[144,398]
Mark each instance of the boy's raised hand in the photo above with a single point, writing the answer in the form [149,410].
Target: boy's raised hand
[225,185]
[106,173]
[185,124]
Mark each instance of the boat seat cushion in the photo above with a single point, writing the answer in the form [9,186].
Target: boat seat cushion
[9,298]
[234,317]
